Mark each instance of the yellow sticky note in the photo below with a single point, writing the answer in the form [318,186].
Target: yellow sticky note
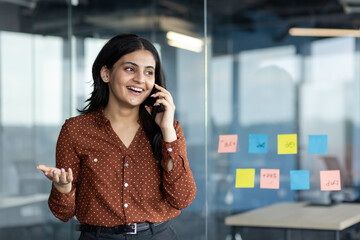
[245,178]
[287,144]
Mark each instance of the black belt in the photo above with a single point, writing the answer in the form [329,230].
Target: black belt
[122,229]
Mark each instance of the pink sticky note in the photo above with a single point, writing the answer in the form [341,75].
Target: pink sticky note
[330,180]
[270,178]
[227,143]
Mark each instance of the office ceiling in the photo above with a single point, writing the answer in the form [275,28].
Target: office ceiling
[316,13]
[98,17]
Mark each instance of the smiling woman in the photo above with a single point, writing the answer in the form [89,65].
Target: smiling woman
[130,80]
[127,172]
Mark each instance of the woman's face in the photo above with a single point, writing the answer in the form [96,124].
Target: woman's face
[131,79]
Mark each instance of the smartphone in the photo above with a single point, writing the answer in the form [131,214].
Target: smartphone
[150,101]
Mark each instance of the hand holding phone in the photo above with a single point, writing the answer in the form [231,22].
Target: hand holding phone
[162,110]
[150,101]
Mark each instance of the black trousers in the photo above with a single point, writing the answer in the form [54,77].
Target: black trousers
[164,231]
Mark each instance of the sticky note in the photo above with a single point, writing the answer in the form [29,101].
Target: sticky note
[258,143]
[245,178]
[299,180]
[317,144]
[287,144]
[270,178]
[330,180]
[227,143]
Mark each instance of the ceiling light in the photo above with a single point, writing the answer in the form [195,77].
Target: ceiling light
[75,2]
[350,6]
[324,32]
[185,42]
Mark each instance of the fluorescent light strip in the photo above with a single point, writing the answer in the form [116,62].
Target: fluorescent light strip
[183,41]
[184,46]
[323,32]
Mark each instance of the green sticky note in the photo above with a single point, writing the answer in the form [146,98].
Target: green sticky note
[287,144]
[245,178]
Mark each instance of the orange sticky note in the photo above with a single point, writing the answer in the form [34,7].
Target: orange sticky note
[287,144]
[330,180]
[227,143]
[270,178]
[245,178]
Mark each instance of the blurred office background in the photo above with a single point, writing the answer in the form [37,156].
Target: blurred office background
[243,71]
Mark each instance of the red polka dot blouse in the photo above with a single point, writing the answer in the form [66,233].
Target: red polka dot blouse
[115,185]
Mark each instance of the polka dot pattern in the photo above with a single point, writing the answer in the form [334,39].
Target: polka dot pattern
[115,185]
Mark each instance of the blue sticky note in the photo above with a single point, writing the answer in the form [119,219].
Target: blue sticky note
[258,143]
[299,179]
[317,144]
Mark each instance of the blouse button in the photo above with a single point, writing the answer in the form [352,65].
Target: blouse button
[170,149]
[95,160]
[126,184]
[126,205]
[126,164]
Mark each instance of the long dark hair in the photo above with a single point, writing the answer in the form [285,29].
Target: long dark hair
[111,52]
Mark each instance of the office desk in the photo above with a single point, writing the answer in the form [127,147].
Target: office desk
[299,215]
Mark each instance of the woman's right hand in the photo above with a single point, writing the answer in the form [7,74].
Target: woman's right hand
[62,180]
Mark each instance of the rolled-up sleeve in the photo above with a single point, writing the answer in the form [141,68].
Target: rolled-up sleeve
[179,184]
[63,205]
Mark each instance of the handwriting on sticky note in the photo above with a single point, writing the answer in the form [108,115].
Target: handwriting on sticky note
[330,180]
[245,178]
[287,144]
[227,143]
[258,143]
[270,178]
[331,183]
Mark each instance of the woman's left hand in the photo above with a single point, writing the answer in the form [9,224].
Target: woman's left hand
[165,120]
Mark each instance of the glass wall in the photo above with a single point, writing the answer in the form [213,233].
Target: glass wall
[244,83]
[47,49]
[270,86]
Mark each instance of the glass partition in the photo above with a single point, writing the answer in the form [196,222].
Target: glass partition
[265,106]
[283,109]
[46,54]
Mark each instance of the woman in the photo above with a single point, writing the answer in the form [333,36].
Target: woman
[121,166]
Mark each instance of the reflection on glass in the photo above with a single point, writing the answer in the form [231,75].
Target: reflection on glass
[267,89]
[46,75]
[326,98]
